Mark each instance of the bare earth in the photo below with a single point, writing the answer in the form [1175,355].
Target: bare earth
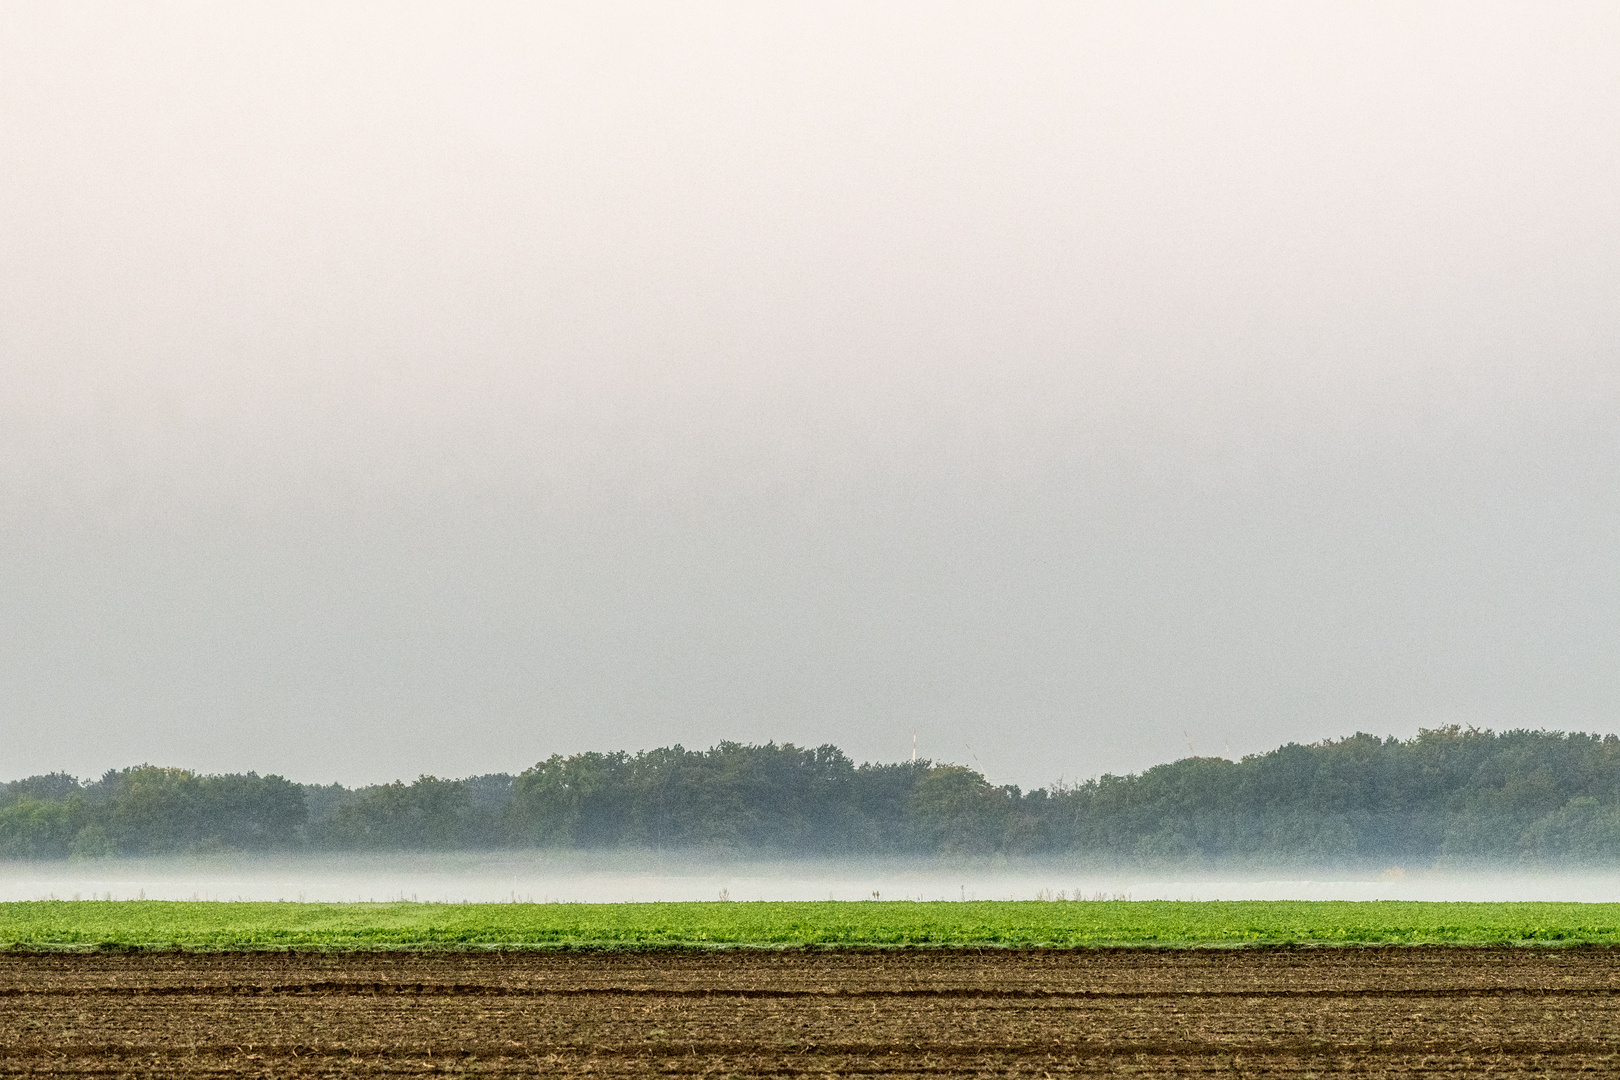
[1249,1012]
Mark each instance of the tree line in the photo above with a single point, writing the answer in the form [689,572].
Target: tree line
[1448,795]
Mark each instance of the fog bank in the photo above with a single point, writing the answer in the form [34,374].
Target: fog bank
[621,878]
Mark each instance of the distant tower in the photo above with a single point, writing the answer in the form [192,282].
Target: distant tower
[914,746]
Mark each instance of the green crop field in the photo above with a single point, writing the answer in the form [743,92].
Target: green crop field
[192,925]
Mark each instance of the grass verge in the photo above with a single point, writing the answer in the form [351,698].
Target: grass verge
[208,926]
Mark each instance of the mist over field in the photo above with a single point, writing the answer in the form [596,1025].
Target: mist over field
[428,388]
[530,877]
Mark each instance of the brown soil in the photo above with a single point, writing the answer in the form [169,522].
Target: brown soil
[1248,1012]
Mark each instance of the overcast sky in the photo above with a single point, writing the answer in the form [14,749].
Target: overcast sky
[390,388]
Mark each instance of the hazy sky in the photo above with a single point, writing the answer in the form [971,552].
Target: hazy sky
[400,387]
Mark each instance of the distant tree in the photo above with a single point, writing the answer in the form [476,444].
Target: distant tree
[51,787]
[426,815]
[32,828]
[953,810]
[150,809]
[579,801]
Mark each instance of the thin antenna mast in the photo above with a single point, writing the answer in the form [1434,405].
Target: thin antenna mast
[914,746]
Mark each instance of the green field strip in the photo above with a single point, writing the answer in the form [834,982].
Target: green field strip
[209,925]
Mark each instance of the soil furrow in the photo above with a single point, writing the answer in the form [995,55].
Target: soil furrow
[1249,1013]
[473,990]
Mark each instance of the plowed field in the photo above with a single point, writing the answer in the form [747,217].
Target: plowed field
[1242,1012]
